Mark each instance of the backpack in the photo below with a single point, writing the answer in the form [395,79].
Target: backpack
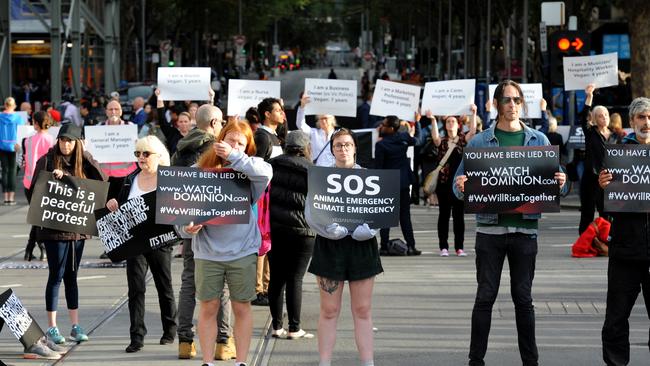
[397,247]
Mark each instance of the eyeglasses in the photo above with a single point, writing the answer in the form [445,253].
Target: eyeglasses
[220,121]
[347,146]
[144,154]
[507,100]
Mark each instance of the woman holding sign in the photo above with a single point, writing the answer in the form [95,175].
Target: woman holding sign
[321,136]
[228,253]
[64,249]
[341,256]
[151,154]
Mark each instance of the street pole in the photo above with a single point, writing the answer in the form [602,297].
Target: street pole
[524,54]
[488,48]
[439,63]
[449,43]
[143,53]
[240,20]
[466,41]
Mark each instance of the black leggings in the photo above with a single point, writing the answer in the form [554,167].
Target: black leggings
[450,206]
[8,162]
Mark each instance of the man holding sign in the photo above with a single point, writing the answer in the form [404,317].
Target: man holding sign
[500,235]
[629,251]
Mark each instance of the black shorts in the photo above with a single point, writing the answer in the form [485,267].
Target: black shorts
[345,259]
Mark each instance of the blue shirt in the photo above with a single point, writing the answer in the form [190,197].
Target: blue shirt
[9,123]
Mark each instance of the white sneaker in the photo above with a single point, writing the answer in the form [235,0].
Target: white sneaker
[299,334]
[278,333]
[461,253]
[444,253]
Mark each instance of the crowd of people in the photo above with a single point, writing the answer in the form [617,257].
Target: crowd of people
[228,268]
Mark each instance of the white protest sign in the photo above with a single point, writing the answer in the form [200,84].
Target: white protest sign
[112,144]
[327,96]
[243,94]
[533,94]
[184,83]
[391,98]
[25,131]
[580,71]
[449,98]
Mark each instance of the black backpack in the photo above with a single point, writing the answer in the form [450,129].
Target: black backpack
[397,247]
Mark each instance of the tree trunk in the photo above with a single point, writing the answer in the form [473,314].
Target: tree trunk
[638,14]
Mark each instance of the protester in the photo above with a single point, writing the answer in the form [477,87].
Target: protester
[64,249]
[629,258]
[9,122]
[177,130]
[33,148]
[616,125]
[501,235]
[116,169]
[320,137]
[151,154]
[390,153]
[456,140]
[338,257]
[228,253]
[139,116]
[209,121]
[292,237]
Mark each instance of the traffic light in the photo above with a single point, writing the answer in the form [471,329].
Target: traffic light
[171,63]
[566,44]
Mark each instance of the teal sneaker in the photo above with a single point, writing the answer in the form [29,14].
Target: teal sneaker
[54,335]
[77,333]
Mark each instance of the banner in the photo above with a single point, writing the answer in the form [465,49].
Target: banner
[210,197]
[533,95]
[629,189]
[351,197]
[66,204]
[576,138]
[327,96]
[131,230]
[243,94]
[518,179]
[184,83]
[449,98]
[19,321]
[111,144]
[581,71]
[391,98]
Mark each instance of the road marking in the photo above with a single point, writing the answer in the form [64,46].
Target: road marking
[424,231]
[12,285]
[20,236]
[562,227]
[89,278]
[561,245]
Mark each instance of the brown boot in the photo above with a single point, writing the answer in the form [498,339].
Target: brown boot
[225,351]
[186,350]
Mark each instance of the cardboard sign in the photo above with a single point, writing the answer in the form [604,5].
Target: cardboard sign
[209,197]
[629,189]
[391,98]
[243,94]
[19,321]
[112,144]
[328,96]
[581,71]
[533,94]
[449,98]
[351,197]
[66,204]
[131,230]
[516,179]
[184,83]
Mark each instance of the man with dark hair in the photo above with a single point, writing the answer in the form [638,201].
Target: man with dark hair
[505,235]
[84,110]
[390,153]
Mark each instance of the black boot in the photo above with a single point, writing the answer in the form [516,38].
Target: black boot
[383,249]
[412,251]
[43,256]
[29,250]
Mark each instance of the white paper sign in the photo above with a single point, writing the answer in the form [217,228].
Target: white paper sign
[391,98]
[184,83]
[112,144]
[580,71]
[533,94]
[25,131]
[449,98]
[327,96]
[243,94]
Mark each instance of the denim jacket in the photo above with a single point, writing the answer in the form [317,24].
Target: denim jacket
[487,139]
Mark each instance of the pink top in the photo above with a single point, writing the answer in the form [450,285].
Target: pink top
[35,147]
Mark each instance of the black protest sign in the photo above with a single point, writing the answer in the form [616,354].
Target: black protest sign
[211,197]
[21,324]
[629,189]
[576,138]
[364,147]
[131,230]
[66,204]
[516,179]
[350,197]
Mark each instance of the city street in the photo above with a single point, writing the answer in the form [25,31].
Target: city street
[422,306]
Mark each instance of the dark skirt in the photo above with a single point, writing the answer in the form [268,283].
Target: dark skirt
[345,259]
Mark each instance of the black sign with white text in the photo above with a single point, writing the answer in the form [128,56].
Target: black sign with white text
[629,189]
[518,179]
[66,204]
[131,230]
[19,321]
[350,197]
[576,138]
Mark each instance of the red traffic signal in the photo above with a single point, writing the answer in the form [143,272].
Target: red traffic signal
[564,44]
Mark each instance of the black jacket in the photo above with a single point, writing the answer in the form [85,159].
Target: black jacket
[289,195]
[190,148]
[630,231]
[390,153]
[595,143]
[264,142]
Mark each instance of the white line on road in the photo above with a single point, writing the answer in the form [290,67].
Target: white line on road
[12,285]
[561,245]
[562,227]
[89,278]
[18,236]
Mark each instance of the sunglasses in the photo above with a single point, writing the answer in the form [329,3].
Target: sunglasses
[506,100]
[145,154]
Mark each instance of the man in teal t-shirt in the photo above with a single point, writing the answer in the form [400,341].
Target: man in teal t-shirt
[9,121]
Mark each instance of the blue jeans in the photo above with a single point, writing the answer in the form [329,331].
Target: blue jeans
[491,251]
[63,258]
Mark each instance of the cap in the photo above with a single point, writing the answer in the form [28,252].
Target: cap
[115,95]
[297,138]
[70,130]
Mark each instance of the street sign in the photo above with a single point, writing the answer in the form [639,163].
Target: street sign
[239,40]
[543,41]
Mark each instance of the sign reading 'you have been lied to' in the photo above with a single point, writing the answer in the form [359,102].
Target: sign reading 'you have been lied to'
[629,190]
[512,179]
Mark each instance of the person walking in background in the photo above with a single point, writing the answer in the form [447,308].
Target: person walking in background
[9,122]
[293,239]
[64,249]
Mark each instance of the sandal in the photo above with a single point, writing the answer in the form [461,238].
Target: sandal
[299,334]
